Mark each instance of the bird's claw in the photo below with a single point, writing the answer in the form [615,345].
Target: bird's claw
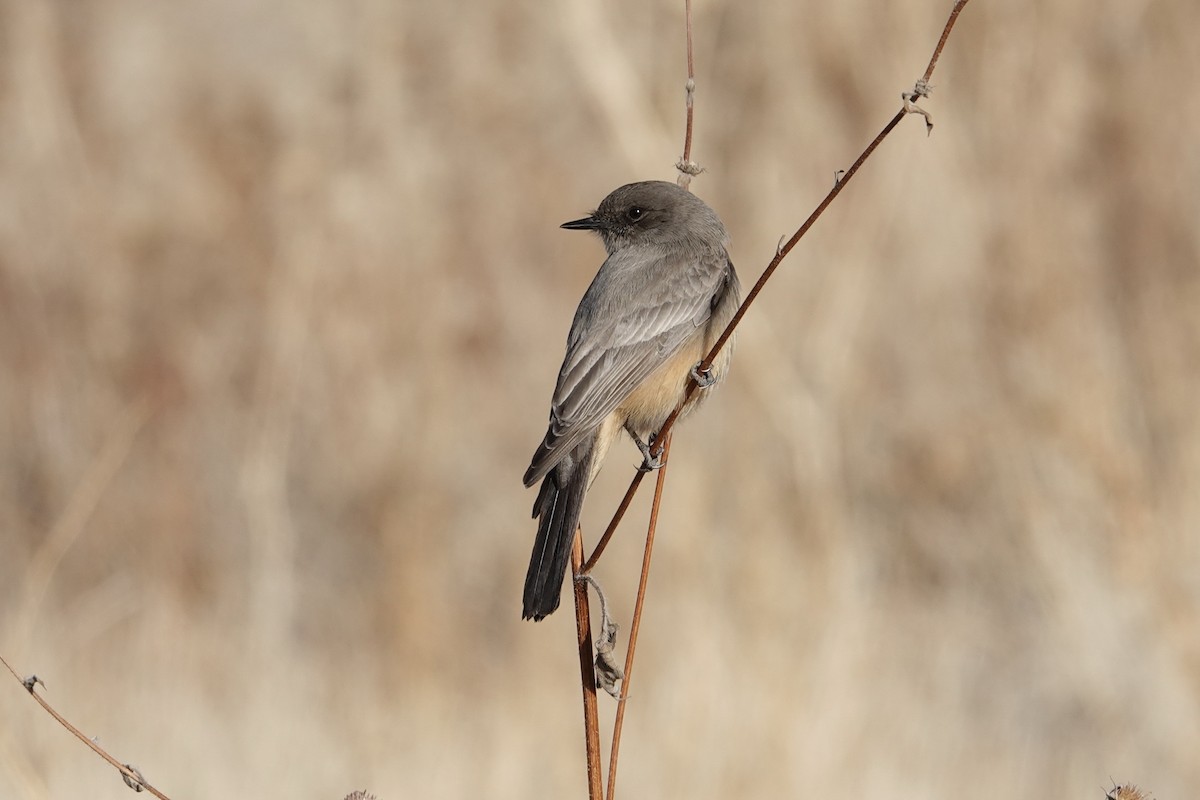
[704,378]
[650,461]
[650,464]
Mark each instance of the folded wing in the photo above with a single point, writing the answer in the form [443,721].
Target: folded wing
[632,319]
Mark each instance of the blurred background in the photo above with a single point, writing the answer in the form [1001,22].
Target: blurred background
[283,299]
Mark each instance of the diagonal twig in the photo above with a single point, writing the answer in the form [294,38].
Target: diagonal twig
[131,775]
[781,253]
[921,88]
[661,446]
[614,522]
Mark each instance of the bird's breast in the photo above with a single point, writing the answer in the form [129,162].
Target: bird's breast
[652,401]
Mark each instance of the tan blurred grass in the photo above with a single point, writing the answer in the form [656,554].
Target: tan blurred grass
[281,301]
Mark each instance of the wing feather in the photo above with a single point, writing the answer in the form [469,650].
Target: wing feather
[632,319]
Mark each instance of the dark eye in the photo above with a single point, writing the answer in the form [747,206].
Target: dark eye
[634,214]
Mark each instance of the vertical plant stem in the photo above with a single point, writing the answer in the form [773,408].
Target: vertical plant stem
[691,89]
[637,619]
[587,670]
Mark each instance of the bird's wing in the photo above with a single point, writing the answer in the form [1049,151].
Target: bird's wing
[632,319]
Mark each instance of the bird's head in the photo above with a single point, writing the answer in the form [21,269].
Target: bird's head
[653,213]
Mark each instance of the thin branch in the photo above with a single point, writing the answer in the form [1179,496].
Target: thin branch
[937,51]
[661,447]
[781,253]
[637,620]
[688,168]
[130,774]
[587,670]
[614,522]
[922,87]
[691,82]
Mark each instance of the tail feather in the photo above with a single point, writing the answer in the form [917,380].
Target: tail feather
[557,508]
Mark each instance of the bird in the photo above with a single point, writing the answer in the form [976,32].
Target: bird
[661,299]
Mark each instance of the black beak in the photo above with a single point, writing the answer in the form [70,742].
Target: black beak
[585,224]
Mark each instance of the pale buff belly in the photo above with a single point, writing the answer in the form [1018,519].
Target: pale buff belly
[648,406]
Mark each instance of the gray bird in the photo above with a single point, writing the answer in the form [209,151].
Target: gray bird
[660,300]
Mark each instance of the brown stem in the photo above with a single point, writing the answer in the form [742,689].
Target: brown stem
[637,619]
[128,773]
[780,254]
[937,51]
[691,87]
[587,670]
[618,515]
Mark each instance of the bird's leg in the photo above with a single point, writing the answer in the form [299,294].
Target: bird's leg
[703,377]
[650,462]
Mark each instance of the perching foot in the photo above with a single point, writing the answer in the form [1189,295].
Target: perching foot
[650,462]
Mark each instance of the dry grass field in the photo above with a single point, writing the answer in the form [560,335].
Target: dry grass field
[282,300]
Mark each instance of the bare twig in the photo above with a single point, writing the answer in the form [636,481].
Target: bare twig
[920,89]
[587,670]
[130,774]
[781,253]
[688,168]
[941,45]
[608,674]
[637,620]
[615,521]
[661,446]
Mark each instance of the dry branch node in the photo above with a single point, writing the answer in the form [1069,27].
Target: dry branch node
[910,107]
[608,672]
[31,683]
[688,169]
[837,179]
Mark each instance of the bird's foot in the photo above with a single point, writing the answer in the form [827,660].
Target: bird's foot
[650,461]
[704,378]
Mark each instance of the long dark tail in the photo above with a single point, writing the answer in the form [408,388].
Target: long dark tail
[557,508]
